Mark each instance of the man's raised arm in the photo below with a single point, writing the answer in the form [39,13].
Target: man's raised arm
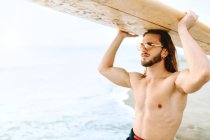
[117,75]
[199,66]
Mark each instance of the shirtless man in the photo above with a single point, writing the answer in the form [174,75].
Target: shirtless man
[161,92]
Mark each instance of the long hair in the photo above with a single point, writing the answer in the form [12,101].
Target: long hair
[165,39]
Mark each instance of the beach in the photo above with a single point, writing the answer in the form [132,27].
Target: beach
[196,119]
[56,93]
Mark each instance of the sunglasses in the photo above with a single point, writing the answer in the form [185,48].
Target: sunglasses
[148,46]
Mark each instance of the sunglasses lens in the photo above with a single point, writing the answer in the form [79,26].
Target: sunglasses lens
[146,45]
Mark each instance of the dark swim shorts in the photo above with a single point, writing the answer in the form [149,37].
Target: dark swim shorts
[132,136]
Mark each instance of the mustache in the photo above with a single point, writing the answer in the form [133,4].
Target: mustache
[145,54]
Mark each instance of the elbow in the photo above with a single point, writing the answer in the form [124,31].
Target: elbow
[207,72]
[101,70]
[206,75]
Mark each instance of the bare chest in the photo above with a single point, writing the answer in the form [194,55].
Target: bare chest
[153,94]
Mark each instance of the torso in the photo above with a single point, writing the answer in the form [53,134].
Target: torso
[159,107]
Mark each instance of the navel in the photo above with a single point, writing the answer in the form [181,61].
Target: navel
[159,106]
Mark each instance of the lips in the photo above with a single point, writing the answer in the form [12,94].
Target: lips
[145,55]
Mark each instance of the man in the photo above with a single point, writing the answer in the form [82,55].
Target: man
[161,92]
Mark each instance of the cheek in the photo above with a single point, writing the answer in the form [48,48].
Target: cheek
[155,53]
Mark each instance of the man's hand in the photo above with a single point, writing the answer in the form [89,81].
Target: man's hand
[126,34]
[188,20]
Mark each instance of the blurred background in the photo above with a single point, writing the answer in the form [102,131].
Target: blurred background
[49,85]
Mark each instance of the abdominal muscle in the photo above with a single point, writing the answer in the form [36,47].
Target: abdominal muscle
[158,115]
[156,125]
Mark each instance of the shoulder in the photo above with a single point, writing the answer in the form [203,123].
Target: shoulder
[136,75]
[177,77]
[135,78]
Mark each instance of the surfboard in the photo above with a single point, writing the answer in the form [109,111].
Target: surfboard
[134,16]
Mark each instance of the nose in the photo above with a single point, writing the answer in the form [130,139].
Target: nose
[143,49]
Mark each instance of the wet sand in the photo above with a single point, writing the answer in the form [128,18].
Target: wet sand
[196,120]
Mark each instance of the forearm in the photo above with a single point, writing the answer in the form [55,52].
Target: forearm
[109,57]
[196,59]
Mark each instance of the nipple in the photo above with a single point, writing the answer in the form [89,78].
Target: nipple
[159,106]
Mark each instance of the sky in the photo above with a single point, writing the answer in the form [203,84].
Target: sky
[24,24]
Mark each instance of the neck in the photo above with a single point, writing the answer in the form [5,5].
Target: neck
[156,71]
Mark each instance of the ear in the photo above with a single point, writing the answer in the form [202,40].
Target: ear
[164,53]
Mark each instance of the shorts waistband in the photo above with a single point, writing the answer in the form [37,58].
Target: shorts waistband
[133,136]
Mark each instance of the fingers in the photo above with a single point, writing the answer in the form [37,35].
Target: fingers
[126,34]
[132,35]
[189,19]
[192,14]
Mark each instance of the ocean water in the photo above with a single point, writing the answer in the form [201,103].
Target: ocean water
[56,93]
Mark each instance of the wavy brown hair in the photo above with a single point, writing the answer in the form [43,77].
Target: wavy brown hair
[170,61]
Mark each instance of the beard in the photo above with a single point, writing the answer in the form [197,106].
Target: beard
[153,61]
